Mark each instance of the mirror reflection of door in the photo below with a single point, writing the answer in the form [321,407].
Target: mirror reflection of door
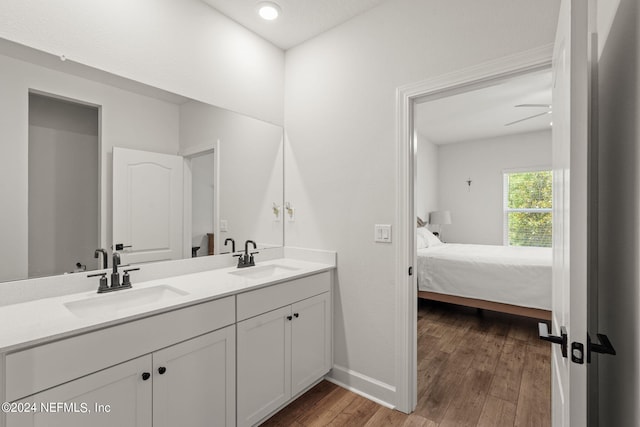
[147,205]
[63,186]
[203,202]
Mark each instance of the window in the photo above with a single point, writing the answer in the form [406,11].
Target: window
[527,208]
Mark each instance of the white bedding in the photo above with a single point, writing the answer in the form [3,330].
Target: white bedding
[507,274]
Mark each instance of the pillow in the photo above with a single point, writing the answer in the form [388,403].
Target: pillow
[421,238]
[432,240]
[426,239]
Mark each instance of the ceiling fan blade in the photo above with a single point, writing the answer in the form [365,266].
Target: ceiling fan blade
[527,118]
[534,105]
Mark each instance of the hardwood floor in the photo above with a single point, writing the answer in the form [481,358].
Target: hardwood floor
[474,369]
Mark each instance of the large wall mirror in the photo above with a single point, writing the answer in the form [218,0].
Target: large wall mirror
[92,161]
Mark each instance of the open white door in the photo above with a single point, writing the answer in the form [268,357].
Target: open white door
[571,99]
[147,206]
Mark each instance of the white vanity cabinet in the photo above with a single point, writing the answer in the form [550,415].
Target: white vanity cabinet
[284,344]
[229,361]
[194,382]
[191,383]
[188,384]
[121,387]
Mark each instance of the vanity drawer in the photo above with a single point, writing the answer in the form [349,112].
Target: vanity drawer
[38,368]
[253,303]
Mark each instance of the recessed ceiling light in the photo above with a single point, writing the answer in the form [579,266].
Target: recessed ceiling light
[268,10]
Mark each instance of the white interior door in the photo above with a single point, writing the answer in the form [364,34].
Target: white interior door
[147,205]
[571,100]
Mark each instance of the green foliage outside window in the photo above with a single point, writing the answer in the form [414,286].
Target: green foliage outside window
[528,209]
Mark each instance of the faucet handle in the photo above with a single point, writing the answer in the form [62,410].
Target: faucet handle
[96,274]
[126,279]
[241,260]
[251,260]
[104,286]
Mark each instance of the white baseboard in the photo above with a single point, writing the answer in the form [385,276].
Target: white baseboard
[363,385]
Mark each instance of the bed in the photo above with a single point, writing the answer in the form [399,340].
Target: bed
[515,280]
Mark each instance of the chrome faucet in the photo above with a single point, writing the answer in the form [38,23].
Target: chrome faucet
[246,259]
[97,253]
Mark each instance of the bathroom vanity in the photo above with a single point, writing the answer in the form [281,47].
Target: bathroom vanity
[222,347]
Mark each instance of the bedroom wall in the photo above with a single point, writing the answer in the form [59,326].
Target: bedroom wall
[183,46]
[426,177]
[341,149]
[476,210]
[619,210]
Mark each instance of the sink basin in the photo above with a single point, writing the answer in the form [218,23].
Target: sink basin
[119,301]
[264,271]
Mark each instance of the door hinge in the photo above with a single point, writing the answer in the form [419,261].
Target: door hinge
[604,347]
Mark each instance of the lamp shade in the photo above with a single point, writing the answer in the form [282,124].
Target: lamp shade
[440,217]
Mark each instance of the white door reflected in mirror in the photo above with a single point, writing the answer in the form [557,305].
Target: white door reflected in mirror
[147,205]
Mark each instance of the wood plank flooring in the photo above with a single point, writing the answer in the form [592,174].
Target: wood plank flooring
[474,369]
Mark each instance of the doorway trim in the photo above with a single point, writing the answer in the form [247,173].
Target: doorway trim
[406,285]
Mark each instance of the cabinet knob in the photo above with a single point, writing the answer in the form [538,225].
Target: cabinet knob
[146,376]
[296,315]
[162,370]
[289,317]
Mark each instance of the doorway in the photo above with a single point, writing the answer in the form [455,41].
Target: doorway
[203,204]
[64,189]
[407,96]
[484,189]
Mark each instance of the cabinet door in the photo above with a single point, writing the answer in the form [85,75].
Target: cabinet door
[194,382]
[264,365]
[310,341]
[116,396]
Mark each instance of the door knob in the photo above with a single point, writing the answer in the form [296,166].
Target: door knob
[543,333]
[604,347]
[162,370]
[146,376]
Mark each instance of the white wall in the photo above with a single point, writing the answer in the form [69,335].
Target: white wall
[251,170]
[619,211]
[477,210]
[426,177]
[63,186]
[127,120]
[341,152]
[181,46]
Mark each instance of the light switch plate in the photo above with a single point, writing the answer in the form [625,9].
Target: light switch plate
[382,233]
[224,226]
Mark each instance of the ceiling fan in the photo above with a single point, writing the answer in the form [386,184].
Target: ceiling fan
[547,106]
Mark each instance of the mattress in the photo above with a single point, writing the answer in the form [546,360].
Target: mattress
[506,274]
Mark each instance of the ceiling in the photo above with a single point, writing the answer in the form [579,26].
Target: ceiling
[483,113]
[300,20]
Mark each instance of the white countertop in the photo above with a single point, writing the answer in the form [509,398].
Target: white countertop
[44,320]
